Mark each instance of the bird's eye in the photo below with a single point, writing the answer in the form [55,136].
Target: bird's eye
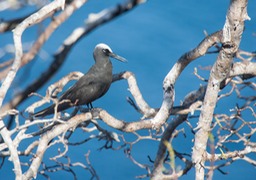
[106,51]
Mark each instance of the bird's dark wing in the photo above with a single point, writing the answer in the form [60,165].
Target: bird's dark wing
[88,88]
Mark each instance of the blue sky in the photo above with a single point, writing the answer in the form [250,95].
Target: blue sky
[152,37]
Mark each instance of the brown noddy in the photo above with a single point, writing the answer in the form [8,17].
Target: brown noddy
[91,86]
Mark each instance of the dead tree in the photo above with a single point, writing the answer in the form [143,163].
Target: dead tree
[233,69]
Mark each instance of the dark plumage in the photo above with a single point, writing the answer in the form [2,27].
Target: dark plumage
[94,84]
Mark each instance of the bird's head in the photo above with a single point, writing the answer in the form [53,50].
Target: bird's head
[104,51]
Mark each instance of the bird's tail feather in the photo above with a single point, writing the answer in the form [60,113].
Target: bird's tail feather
[51,109]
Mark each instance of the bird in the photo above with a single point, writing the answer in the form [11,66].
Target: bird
[91,86]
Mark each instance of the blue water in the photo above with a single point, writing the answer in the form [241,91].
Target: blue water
[152,37]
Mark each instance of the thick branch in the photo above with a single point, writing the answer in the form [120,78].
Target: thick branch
[232,32]
[243,68]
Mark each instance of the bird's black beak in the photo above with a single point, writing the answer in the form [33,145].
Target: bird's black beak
[113,55]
